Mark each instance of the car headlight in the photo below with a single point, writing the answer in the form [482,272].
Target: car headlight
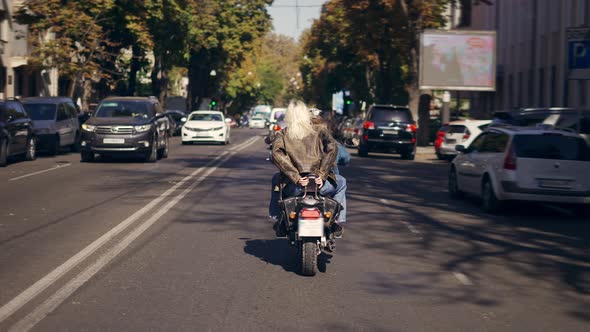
[88,127]
[142,128]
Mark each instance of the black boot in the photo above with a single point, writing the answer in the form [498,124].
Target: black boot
[337,230]
[280,229]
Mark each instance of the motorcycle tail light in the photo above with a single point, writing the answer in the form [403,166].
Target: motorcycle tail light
[277,128]
[310,213]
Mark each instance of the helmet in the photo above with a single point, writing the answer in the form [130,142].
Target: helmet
[315,112]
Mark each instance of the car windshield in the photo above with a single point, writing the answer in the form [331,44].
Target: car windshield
[391,115]
[116,109]
[40,112]
[205,117]
[551,146]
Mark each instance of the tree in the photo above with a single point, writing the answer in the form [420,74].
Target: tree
[67,35]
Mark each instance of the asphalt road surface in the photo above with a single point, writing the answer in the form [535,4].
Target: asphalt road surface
[185,245]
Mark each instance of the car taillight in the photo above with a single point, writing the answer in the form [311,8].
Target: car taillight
[413,140]
[368,125]
[313,213]
[440,134]
[277,128]
[467,135]
[411,128]
[510,159]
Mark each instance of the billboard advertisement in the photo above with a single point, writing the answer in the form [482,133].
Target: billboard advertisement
[458,60]
[578,53]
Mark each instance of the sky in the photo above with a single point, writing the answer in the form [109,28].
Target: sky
[284,15]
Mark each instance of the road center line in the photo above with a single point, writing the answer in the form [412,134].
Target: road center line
[68,289]
[43,171]
[34,290]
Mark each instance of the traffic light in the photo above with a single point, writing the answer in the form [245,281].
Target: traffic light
[347,105]
[212,104]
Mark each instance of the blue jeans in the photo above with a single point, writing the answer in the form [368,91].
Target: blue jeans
[338,193]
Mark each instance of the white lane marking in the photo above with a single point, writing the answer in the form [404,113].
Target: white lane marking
[43,171]
[462,278]
[384,201]
[31,292]
[68,289]
[244,144]
[56,299]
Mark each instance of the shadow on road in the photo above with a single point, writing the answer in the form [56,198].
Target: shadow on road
[276,252]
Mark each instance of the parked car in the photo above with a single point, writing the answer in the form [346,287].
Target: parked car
[440,137]
[56,123]
[461,132]
[17,137]
[175,119]
[206,126]
[389,128]
[258,122]
[124,126]
[523,164]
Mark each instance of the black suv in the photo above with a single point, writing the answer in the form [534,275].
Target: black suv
[388,128]
[126,125]
[16,132]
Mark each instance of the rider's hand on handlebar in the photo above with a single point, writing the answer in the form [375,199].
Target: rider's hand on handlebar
[319,182]
[304,181]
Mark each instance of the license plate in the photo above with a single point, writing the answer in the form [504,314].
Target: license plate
[450,141]
[390,132]
[203,134]
[562,184]
[313,227]
[113,141]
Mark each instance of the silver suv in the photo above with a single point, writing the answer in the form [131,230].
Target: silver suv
[539,164]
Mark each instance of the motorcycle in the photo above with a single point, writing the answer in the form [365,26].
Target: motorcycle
[308,220]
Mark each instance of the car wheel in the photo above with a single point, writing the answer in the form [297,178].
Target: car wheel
[408,156]
[31,153]
[3,153]
[490,202]
[163,153]
[86,156]
[152,155]
[453,185]
[363,150]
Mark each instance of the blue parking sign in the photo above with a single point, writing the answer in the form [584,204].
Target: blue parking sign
[579,54]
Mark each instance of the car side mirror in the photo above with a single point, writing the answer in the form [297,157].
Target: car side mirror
[227,120]
[183,119]
[461,148]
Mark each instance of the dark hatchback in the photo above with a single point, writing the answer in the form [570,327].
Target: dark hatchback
[126,125]
[16,132]
[389,128]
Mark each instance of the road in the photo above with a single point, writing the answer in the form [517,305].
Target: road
[185,245]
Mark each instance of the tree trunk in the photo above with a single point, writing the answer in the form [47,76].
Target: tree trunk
[72,86]
[157,75]
[424,120]
[198,78]
[135,67]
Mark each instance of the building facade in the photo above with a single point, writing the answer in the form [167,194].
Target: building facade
[17,78]
[532,69]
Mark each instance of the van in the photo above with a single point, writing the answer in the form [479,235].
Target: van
[56,122]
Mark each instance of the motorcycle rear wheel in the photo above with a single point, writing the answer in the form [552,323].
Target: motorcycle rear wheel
[309,258]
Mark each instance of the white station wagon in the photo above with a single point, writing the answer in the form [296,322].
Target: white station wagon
[538,164]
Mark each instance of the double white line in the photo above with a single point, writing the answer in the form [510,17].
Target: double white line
[64,292]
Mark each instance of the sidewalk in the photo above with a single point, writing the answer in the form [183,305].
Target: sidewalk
[425,149]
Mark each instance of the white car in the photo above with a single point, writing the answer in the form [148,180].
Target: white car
[257,122]
[205,126]
[275,114]
[461,132]
[523,164]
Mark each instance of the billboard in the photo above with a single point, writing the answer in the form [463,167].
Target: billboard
[458,60]
[578,53]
